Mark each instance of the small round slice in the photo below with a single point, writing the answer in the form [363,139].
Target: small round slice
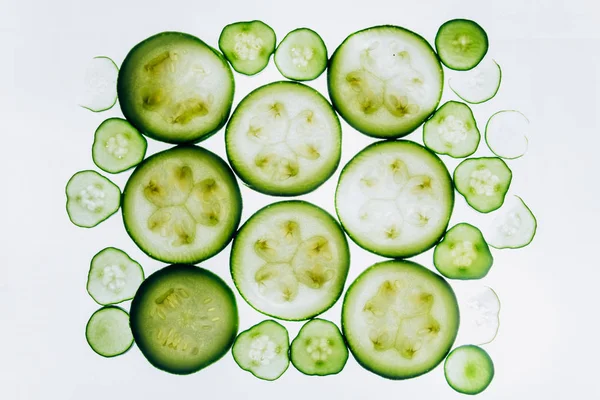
[461,44]
[463,253]
[483,182]
[469,369]
[118,146]
[247,45]
[100,85]
[290,260]
[284,139]
[263,350]
[395,198]
[479,84]
[385,81]
[175,88]
[184,318]
[319,349]
[301,55]
[399,319]
[452,130]
[114,277]
[506,134]
[182,205]
[479,314]
[91,198]
[108,333]
[513,227]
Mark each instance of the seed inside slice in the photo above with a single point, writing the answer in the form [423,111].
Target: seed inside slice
[247,45]
[483,182]
[452,130]
[91,198]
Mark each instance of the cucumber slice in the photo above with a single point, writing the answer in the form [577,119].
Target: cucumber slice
[483,182]
[395,198]
[469,369]
[399,319]
[463,253]
[247,45]
[108,333]
[100,85]
[301,55]
[479,84]
[461,44]
[174,88]
[184,318]
[284,139]
[91,198]
[513,227]
[319,349]
[182,205]
[506,134]
[479,314]
[385,81]
[263,350]
[114,277]
[290,260]
[452,130]
[117,146]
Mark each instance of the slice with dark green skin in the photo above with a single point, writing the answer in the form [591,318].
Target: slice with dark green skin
[399,319]
[319,349]
[91,198]
[513,227]
[461,44]
[483,182]
[118,146]
[100,85]
[108,333]
[463,253]
[506,134]
[395,198]
[113,277]
[284,139]
[184,318]
[263,350]
[385,81]
[290,260]
[469,369]
[175,88]
[479,84]
[452,130]
[301,55]
[182,205]
[247,45]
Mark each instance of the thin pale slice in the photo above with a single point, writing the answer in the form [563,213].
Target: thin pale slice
[469,369]
[479,84]
[513,226]
[100,85]
[108,333]
[506,134]
[479,314]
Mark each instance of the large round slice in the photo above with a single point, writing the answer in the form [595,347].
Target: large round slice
[182,205]
[284,139]
[290,260]
[399,319]
[183,318]
[175,88]
[395,198]
[385,81]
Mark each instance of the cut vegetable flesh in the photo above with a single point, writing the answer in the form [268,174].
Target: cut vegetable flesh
[284,139]
[182,205]
[463,253]
[506,134]
[175,88]
[461,44]
[301,55]
[290,260]
[247,45]
[399,319]
[395,198]
[91,198]
[114,277]
[319,349]
[513,226]
[108,333]
[452,130]
[479,84]
[117,146]
[263,350]
[479,314]
[385,81]
[100,85]
[483,182]
[184,318]
[469,369]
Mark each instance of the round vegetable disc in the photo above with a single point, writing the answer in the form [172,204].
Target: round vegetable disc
[506,134]
[452,130]
[117,146]
[247,45]
[108,333]
[91,198]
[469,369]
[100,85]
[513,227]
[483,182]
[461,44]
[301,55]
[479,84]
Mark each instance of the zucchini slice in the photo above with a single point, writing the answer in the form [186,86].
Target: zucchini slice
[513,227]
[301,55]
[247,45]
[478,85]
[469,369]
[108,333]
[452,130]
[118,146]
[506,134]
[91,198]
[483,182]
[461,44]
[100,85]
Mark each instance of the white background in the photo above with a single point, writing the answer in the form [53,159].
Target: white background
[547,347]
